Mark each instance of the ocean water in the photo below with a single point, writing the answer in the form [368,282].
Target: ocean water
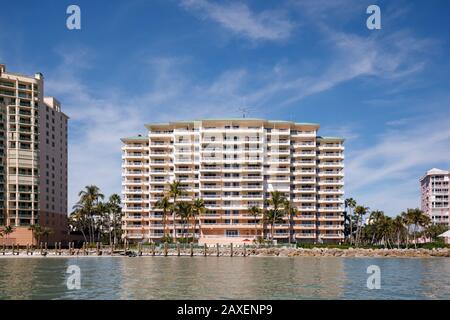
[224,278]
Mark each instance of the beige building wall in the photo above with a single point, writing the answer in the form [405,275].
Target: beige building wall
[23,153]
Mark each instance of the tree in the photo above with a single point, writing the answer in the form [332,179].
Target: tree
[36,232]
[255,211]
[434,230]
[88,206]
[290,211]
[418,219]
[115,212]
[385,229]
[376,221]
[174,192]
[398,225]
[360,212]
[273,217]
[77,222]
[166,206]
[103,221]
[46,231]
[198,208]
[7,230]
[350,204]
[184,210]
[276,212]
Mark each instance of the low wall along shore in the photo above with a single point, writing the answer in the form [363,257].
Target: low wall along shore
[215,251]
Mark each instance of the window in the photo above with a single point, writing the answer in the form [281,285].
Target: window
[231,233]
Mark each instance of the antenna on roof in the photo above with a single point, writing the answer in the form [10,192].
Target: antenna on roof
[244,110]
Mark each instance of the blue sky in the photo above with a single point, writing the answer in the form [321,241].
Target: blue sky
[133,62]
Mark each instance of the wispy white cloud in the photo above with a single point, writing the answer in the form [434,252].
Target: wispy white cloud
[99,120]
[386,174]
[240,19]
[390,58]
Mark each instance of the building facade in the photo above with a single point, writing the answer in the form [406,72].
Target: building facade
[234,165]
[435,194]
[33,151]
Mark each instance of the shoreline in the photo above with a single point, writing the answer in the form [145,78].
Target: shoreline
[240,252]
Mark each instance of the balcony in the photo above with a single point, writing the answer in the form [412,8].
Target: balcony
[304,217]
[331,165]
[304,145]
[133,155]
[331,191]
[331,236]
[332,200]
[135,209]
[309,226]
[133,182]
[303,235]
[331,218]
[330,209]
[132,191]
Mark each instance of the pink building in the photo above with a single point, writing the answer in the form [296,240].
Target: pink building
[435,195]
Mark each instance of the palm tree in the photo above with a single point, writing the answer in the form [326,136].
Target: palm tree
[184,210]
[174,192]
[115,211]
[7,230]
[417,218]
[46,231]
[407,222]
[350,203]
[385,229]
[276,213]
[273,217]
[36,231]
[166,206]
[103,222]
[255,212]
[290,211]
[434,230]
[360,212]
[77,222]
[376,221]
[198,208]
[89,200]
[398,225]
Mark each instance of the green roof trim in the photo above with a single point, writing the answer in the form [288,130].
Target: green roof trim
[141,138]
[232,119]
[330,138]
[157,124]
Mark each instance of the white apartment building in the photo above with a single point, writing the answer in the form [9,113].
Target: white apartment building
[234,164]
[435,194]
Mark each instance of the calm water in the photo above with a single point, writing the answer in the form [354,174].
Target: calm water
[224,278]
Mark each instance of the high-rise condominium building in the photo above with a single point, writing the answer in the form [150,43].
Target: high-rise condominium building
[435,194]
[33,156]
[234,165]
